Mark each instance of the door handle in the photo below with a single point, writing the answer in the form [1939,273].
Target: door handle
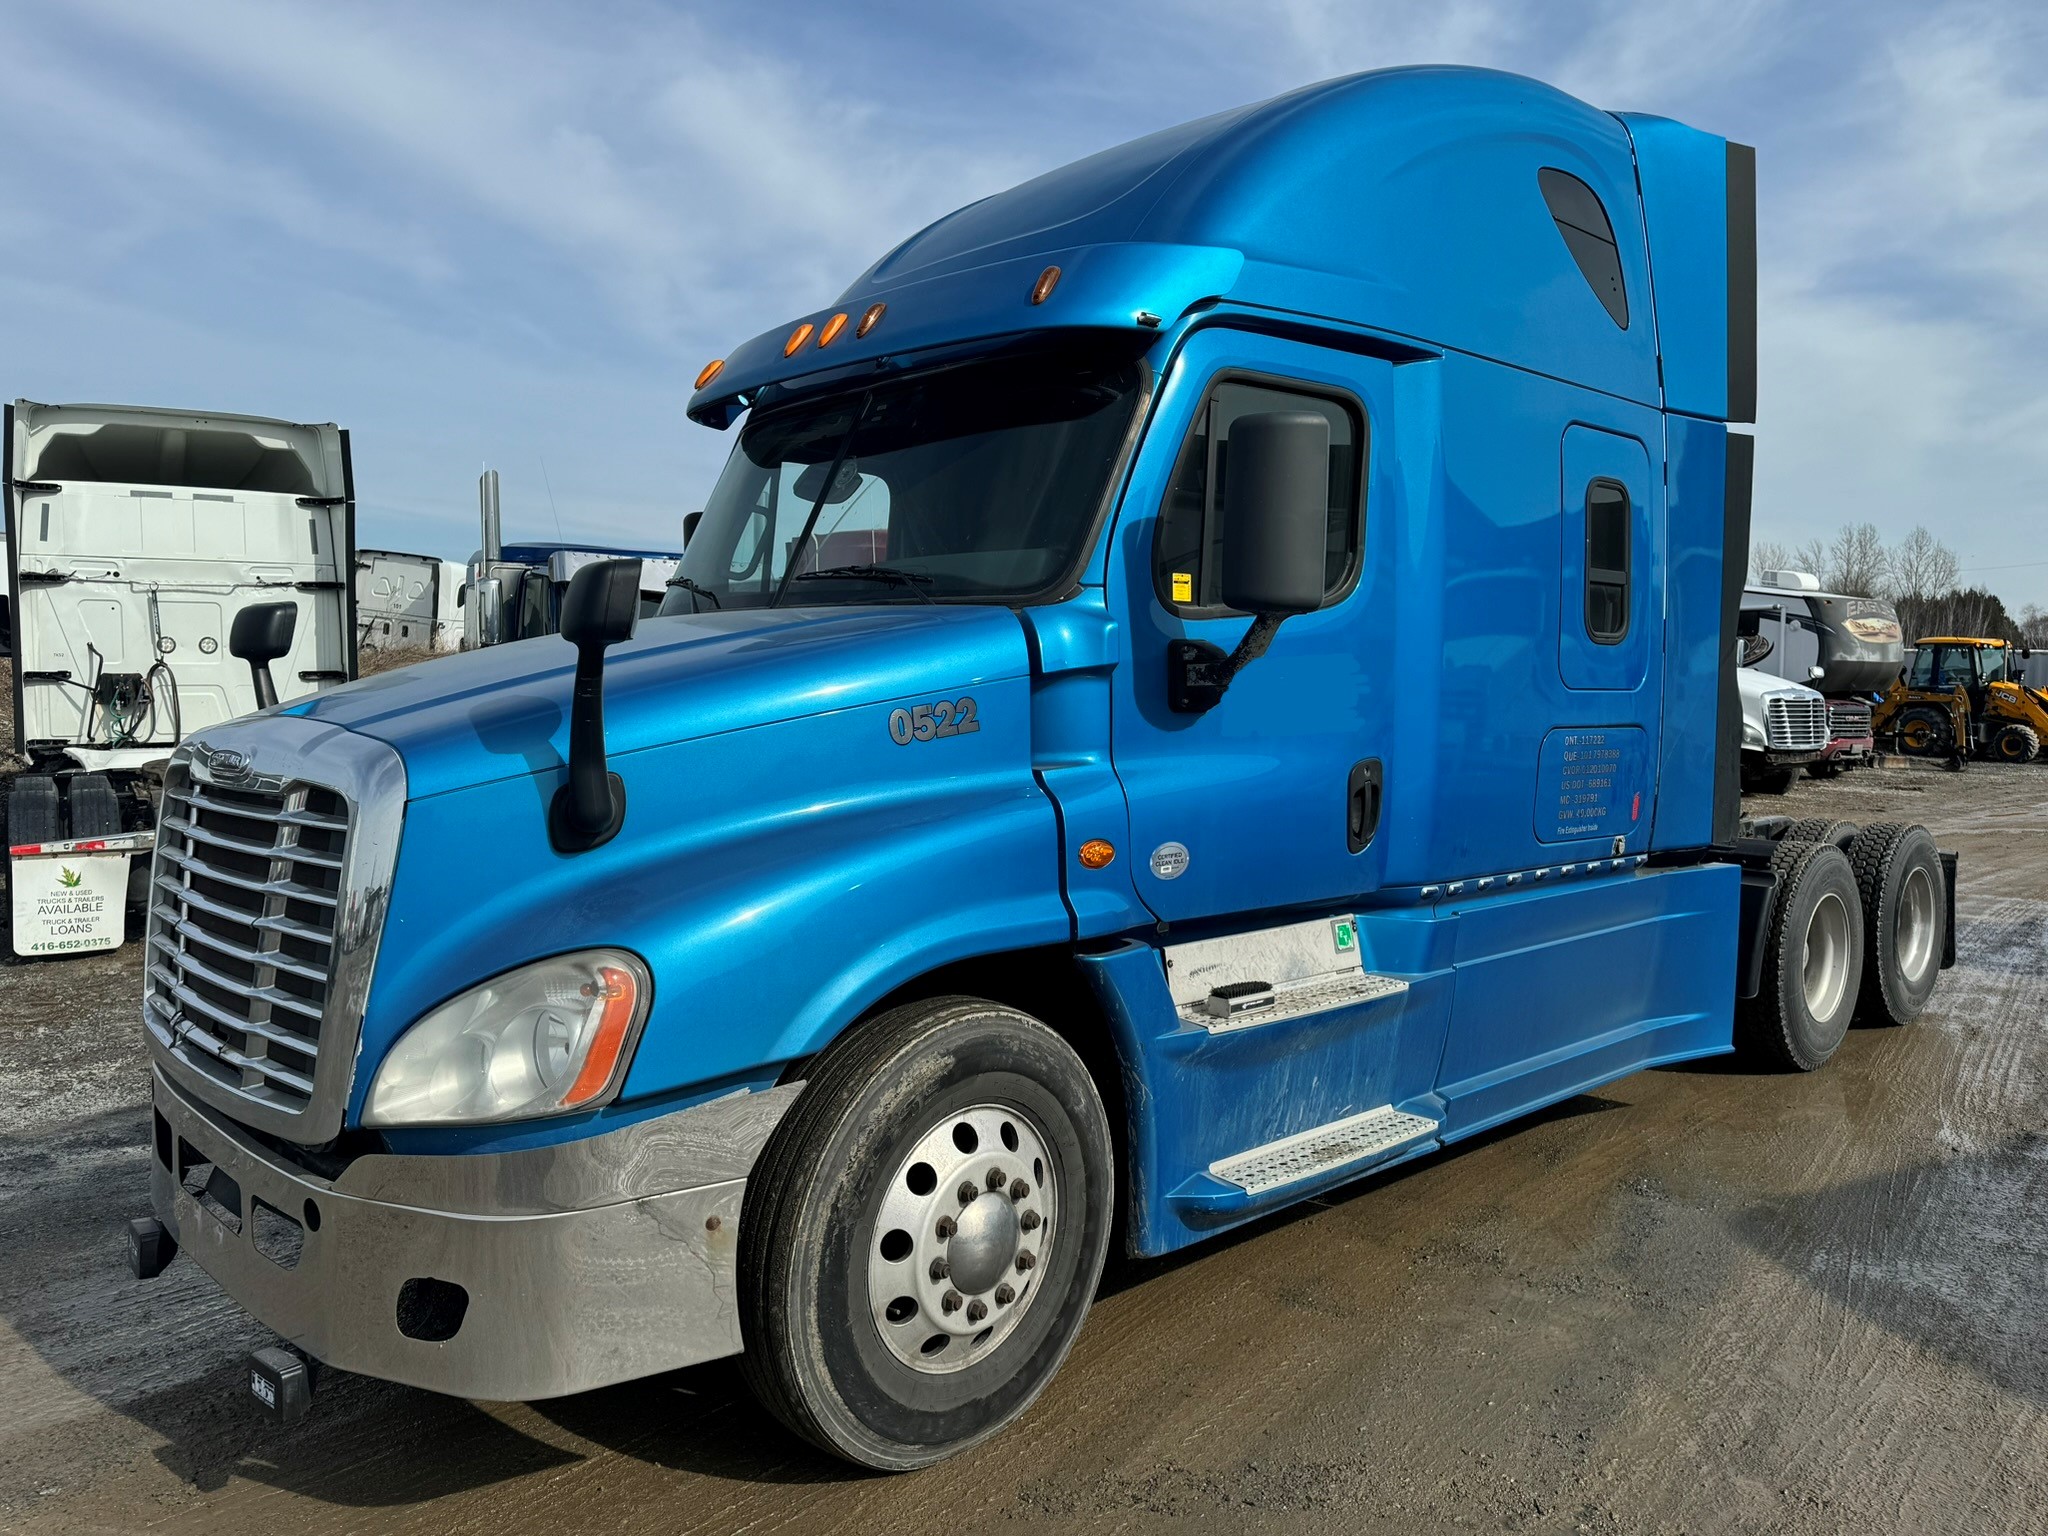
[1362,803]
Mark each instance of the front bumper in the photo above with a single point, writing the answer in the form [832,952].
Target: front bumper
[559,1268]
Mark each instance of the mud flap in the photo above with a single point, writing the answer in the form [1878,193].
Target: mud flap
[1948,880]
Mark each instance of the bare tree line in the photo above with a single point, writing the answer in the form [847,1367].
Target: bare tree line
[1919,575]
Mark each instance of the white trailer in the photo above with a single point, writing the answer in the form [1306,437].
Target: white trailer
[135,537]
[408,602]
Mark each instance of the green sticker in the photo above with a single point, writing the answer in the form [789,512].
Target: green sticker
[1345,935]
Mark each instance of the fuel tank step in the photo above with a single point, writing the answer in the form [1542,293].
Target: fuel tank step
[1271,974]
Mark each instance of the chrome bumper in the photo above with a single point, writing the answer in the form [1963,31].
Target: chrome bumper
[559,1268]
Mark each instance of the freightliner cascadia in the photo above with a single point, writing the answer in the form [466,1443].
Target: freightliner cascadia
[1205,676]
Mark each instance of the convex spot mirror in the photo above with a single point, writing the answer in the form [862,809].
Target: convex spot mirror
[1276,509]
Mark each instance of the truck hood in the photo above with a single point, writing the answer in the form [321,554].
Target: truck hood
[503,712]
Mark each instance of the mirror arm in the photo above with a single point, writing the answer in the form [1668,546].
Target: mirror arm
[1200,673]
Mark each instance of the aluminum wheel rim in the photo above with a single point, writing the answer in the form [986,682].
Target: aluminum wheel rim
[1914,942]
[1825,974]
[965,1226]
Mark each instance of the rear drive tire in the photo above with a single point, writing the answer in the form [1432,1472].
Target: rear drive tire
[32,815]
[886,1319]
[1819,829]
[2015,744]
[1813,962]
[1905,919]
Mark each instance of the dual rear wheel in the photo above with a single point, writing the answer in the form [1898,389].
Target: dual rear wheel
[1857,930]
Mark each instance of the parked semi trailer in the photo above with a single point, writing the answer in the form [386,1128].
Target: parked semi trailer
[136,539]
[408,602]
[1280,721]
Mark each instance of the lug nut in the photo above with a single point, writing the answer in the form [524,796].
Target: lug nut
[1019,1189]
[1028,1221]
[1025,1262]
[969,1192]
[946,1229]
[1004,1295]
[950,1302]
[940,1268]
[996,1179]
[977,1310]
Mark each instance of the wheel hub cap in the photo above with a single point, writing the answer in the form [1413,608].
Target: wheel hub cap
[966,1223]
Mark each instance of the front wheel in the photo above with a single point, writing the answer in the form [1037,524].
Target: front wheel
[2015,744]
[924,1232]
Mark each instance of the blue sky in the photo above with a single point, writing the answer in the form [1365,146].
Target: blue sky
[511,233]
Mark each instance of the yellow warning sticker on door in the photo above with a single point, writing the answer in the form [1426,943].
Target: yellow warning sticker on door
[1183,587]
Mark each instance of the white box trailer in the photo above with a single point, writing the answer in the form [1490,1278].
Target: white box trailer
[407,601]
[135,536]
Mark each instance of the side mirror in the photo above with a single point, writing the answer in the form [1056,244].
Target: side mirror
[1276,510]
[599,610]
[1815,674]
[259,636]
[483,620]
[690,522]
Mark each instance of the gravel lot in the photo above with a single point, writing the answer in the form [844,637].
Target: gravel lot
[1698,1300]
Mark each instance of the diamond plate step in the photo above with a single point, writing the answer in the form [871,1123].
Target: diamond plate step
[1298,999]
[1294,1158]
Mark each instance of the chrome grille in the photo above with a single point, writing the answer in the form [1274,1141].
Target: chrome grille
[245,901]
[1796,724]
[1846,717]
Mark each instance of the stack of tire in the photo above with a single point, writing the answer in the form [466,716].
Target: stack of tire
[1856,932]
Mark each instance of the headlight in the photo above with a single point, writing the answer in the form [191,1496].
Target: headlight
[544,1039]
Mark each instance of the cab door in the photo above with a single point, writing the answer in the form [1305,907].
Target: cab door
[1271,798]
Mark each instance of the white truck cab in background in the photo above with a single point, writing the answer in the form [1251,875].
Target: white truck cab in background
[135,537]
[408,602]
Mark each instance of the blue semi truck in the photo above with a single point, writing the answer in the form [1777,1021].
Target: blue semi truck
[1205,676]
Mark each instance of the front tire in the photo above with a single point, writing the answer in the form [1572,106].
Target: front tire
[924,1232]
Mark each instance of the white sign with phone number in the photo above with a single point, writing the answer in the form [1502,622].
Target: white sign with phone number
[68,903]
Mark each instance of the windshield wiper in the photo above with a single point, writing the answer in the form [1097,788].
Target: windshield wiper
[695,592]
[916,581]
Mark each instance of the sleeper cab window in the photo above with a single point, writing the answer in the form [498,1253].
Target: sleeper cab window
[1607,525]
[1582,221]
[1188,547]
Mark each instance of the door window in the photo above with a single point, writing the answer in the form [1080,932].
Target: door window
[1607,582]
[1187,548]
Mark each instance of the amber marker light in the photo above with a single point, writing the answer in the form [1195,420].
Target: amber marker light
[1097,854]
[797,338]
[832,329]
[615,987]
[710,372]
[1048,280]
[871,318]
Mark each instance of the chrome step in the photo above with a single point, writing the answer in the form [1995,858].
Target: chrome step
[1295,1158]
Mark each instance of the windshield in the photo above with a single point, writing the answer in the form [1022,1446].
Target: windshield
[1992,659]
[980,481]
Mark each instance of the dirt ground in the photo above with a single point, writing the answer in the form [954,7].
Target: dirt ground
[1700,1299]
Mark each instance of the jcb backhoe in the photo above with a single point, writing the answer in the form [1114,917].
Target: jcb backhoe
[1960,699]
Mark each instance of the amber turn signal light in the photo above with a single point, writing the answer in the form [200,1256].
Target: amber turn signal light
[1097,854]
[869,320]
[615,994]
[710,372]
[797,338]
[832,329]
[1047,281]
